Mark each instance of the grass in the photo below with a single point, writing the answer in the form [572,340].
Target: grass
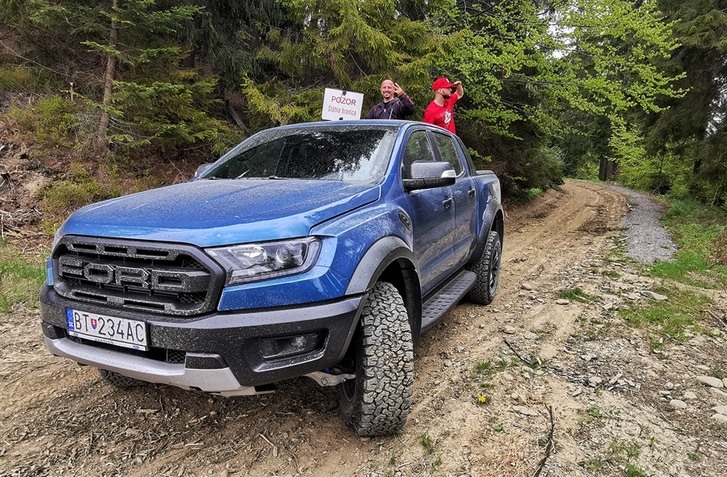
[591,417]
[700,232]
[631,450]
[592,465]
[20,278]
[427,443]
[610,274]
[574,294]
[489,368]
[19,78]
[669,319]
[479,380]
[633,471]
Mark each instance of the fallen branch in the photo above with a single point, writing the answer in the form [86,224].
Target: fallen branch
[549,445]
[275,448]
[512,348]
[721,321]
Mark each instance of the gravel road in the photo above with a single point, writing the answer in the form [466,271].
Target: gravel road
[647,240]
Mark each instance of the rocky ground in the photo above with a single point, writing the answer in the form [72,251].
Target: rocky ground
[549,380]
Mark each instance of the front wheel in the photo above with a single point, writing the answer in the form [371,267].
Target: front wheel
[378,400]
[487,269]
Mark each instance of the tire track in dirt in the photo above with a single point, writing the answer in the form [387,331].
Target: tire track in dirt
[544,240]
[62,420]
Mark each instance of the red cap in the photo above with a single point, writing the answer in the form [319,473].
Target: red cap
[442,82]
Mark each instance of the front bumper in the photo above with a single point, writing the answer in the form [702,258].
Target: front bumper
[223,353]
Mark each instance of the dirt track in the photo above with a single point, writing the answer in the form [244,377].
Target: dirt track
[487,420]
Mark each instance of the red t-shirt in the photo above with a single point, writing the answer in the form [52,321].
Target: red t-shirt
[442,115]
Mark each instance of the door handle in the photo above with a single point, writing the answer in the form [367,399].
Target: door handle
[471,193]
[448,203]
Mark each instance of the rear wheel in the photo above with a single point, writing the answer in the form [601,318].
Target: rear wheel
[119,380]
[378,400]
[487,269]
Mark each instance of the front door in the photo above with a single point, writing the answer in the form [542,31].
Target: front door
[432,215]
[465,200]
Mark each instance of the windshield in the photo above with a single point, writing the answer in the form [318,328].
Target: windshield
[339,154]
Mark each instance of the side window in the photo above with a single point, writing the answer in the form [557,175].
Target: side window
[448,152]
[417,149]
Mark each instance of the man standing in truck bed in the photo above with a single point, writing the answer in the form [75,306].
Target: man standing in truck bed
[440,111]
[396,103]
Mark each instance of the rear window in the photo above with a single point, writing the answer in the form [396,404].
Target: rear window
[340,154]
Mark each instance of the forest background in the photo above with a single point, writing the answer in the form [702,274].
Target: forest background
[634,90]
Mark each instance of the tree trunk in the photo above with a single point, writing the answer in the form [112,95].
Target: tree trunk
[108,80]
[606,170]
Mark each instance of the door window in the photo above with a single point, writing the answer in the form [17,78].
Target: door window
[417,149]
[448,152]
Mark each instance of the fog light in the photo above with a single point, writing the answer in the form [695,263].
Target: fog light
[284,347]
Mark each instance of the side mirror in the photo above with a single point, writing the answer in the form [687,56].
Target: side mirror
[428,175]
[201,170]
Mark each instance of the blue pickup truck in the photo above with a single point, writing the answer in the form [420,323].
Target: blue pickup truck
[321,250]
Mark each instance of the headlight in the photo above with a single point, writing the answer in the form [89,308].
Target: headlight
[257,261]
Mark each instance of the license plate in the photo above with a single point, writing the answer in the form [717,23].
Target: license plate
[107,329]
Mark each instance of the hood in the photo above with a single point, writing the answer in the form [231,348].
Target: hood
[221,212]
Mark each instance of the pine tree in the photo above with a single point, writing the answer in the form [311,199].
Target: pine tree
[125,56]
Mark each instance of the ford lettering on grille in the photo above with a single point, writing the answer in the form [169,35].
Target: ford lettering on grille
[103,273]
[172,279]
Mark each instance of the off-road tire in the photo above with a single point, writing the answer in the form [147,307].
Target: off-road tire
[119,380]
[487,269]
[378,400]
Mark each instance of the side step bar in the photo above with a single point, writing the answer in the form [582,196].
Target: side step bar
[445,298]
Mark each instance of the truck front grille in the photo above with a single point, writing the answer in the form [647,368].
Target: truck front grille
[171,279]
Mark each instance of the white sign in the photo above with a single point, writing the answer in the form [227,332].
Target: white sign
[338,104]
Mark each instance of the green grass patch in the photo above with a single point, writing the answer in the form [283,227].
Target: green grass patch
[574,294]
[427,443]
[592,465]
[488,367]
[668,319]
[633,471]
[20,278]
[622,448]
[701,235]
[591,417]
[610,274]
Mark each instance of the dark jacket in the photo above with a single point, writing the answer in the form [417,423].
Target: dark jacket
[397,108]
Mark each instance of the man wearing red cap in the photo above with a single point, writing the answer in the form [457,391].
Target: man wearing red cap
[440,111]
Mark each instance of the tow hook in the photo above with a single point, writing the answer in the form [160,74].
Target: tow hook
[325,379]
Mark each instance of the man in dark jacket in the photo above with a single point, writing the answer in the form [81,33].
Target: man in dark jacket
[396,103]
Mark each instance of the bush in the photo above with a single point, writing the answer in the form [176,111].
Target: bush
[61,198]
[52,121]
[19,79]
[536,171]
